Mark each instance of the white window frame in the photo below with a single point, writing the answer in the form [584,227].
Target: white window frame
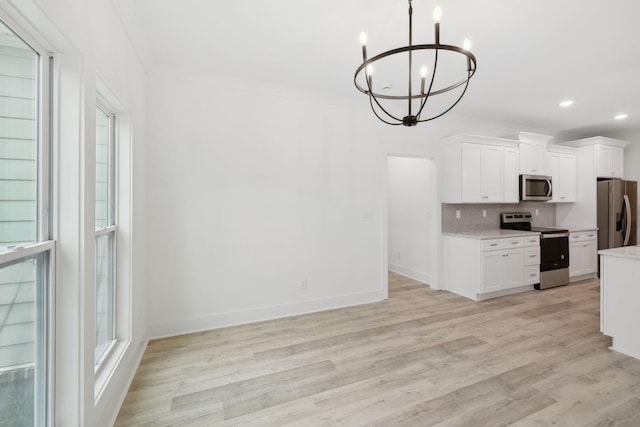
[110,229]
[108,102]
[45,245]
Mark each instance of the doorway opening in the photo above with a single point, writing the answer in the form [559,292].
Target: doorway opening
[410,203]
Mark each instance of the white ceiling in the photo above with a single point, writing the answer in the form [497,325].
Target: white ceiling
[531,54]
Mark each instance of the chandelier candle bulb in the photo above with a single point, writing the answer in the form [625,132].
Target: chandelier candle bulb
[363,40]
[423,75]
[437,14]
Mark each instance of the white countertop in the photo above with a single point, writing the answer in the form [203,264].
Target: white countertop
[577,229]
[623,252]
[492,234]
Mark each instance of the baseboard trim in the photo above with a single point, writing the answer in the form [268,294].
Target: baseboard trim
[411,274]
[241,317]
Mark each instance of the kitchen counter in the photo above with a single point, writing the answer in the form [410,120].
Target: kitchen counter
[620,298]
[623,252]
[491,234]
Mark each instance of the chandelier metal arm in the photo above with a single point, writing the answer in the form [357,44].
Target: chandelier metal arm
[361,67]
[373,95]
[378,115]
[451,107]
[433,76]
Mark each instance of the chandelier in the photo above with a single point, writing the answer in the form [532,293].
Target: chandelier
[381,99]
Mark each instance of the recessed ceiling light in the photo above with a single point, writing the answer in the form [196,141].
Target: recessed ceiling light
[621,116]
[566,104]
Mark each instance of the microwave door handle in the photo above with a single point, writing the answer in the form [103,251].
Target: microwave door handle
[549,186]
[627,228]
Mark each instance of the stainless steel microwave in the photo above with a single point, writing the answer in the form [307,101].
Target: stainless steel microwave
[537,188]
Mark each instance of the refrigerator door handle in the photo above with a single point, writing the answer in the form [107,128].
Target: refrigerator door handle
[627,227]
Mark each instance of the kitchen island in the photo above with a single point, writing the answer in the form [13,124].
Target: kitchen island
[620,298]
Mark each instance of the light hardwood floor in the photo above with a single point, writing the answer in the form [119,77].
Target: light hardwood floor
[421,358]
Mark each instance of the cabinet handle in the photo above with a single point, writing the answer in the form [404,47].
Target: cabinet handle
[584,246]
[532,274]
[534,170]
[533,256]
[514,243]
[562,197]
[493,244]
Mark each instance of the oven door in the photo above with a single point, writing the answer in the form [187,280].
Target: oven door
[554,251]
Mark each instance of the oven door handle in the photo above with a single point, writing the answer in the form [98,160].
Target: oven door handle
[554,235]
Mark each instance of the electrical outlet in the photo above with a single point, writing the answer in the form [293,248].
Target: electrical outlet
[458,216]
[304,284]
[484,213]
[537,212]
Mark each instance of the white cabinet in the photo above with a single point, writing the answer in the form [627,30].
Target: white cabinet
[501,270]
[511,176]
[480,269]
[619,296]
[562,168]
[533,158]
[481,173]
[533,153]
[609,161]
[583,250]
[480,170]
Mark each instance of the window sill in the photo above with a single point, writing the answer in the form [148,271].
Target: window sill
[108,366]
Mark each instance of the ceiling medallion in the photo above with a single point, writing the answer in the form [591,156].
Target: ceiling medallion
[377,99]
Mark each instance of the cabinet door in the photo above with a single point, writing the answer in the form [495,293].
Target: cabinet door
[492,164]
[567,178]
[471,173]
[491,266]
[562,168]
[512,268]
[511,176]
[603,154]
[609,161]
[583,258]
[533,158]
[616,161]
[539,159]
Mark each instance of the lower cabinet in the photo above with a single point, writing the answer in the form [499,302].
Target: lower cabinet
[583,254]
[501,270]
[485,268]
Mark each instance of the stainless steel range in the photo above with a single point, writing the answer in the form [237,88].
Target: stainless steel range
[554,248]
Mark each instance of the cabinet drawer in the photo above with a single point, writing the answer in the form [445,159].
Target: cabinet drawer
[500,244]
[583,236]
[532,256]
[532,274]
[532,241]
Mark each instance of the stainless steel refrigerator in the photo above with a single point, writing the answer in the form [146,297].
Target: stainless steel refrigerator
[617,216]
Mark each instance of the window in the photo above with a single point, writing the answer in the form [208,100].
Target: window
[26,249]
[106,229]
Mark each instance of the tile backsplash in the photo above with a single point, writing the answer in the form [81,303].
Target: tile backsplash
[471,218]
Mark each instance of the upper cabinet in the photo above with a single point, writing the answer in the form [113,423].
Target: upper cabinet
[480,170]
[562,163]
[609,161]
[533,153]
[597,157]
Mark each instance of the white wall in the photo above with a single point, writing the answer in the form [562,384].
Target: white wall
[87,39]
[258,192]
[409,197]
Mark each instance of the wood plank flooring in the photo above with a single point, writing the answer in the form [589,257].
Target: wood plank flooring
[421,358]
